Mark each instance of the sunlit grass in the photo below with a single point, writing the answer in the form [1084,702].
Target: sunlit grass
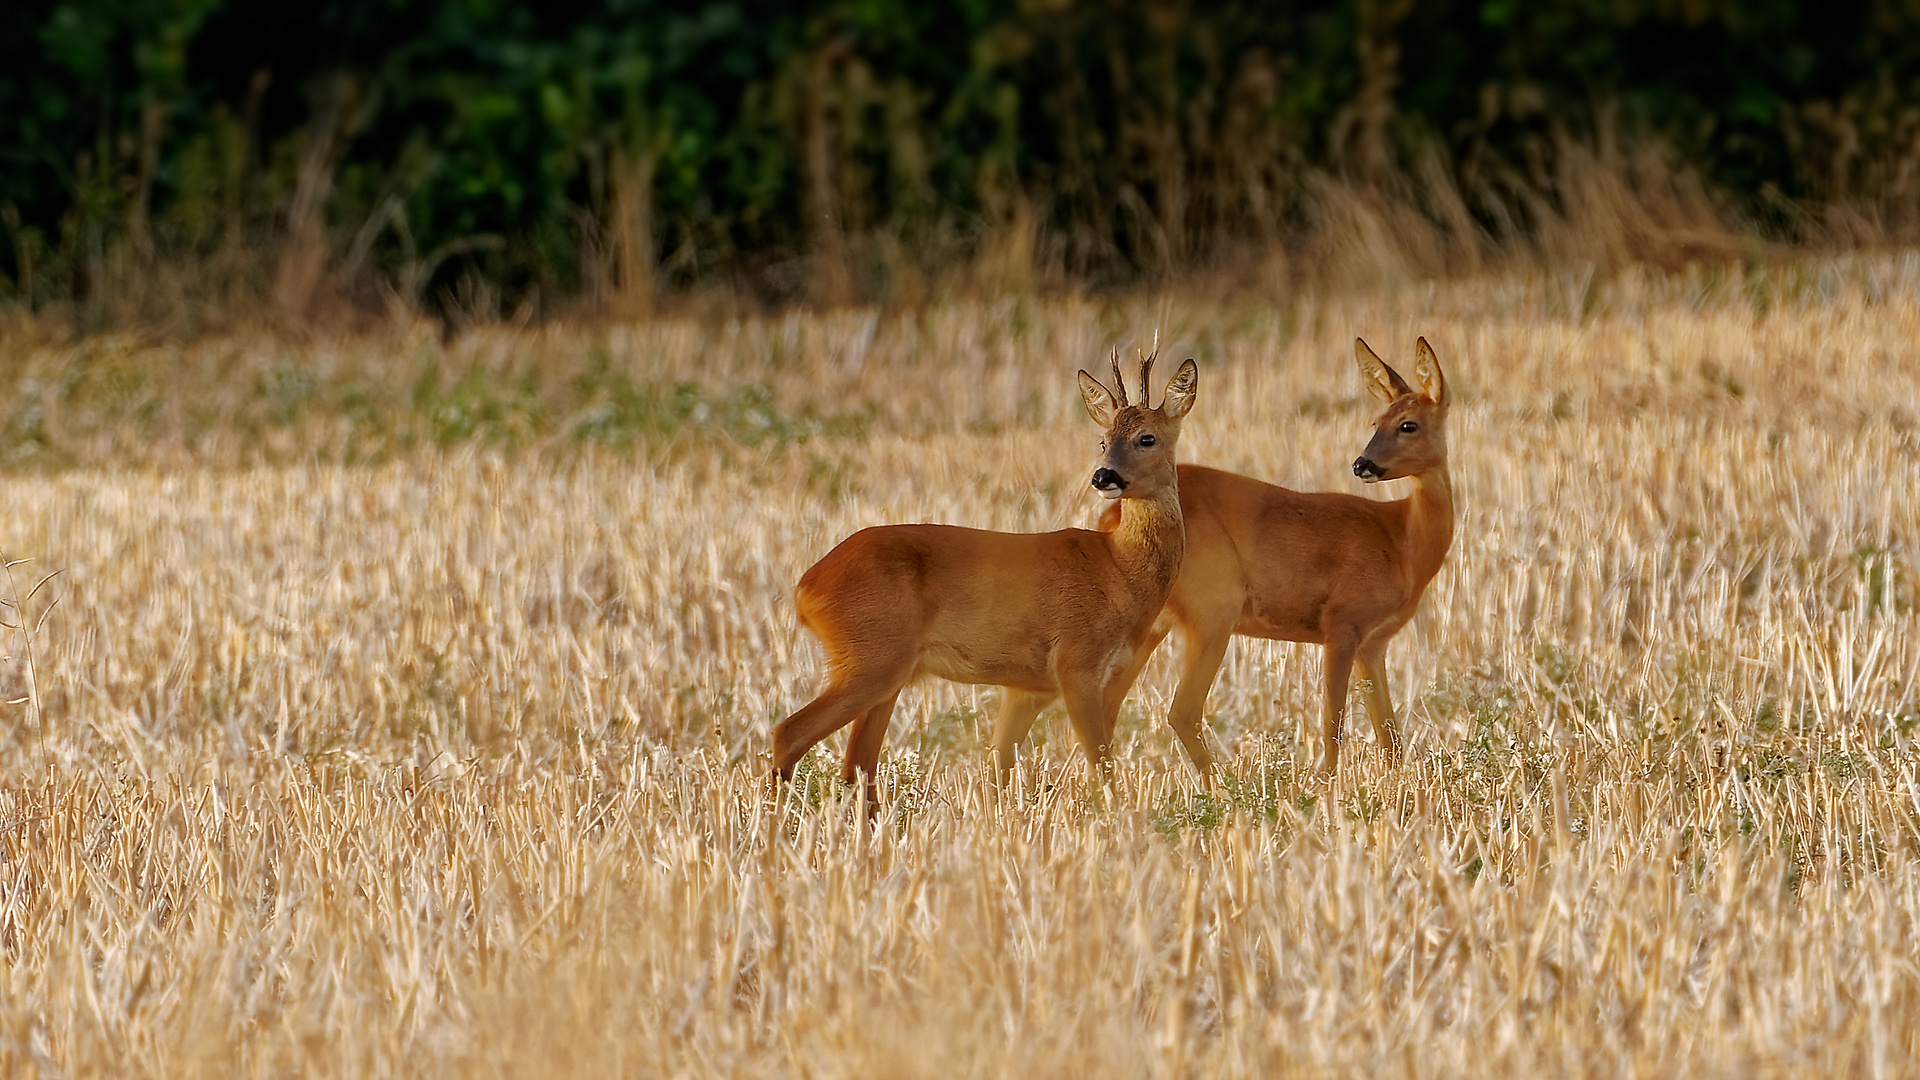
[404,707]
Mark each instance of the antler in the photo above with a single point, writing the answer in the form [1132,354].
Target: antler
[1146,369]
[1120,384]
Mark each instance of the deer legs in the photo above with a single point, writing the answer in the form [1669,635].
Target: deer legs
[1345,651]
[1086,709]
[863,747]
[1086,701]
[864,696]
[1372,662]
[1092,708]
[1206,648]
[1018,710]
[1337,664]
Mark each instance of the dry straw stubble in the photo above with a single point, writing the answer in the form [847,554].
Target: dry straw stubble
[449,757]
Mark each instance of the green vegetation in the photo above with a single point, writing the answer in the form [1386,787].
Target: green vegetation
[189,158]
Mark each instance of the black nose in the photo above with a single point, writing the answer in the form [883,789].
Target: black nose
[1364,468]
[1108,480]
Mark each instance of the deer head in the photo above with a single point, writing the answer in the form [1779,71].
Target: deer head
[1137,458]
[1410,437]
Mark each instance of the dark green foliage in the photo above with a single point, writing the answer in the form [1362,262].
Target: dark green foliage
[475,154]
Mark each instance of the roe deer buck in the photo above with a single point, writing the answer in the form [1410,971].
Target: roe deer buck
[1045,615]
[1323,567]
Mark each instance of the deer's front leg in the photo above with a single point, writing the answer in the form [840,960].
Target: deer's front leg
[1018,709]
[1338,661]
[1085,694]
[1116,690]
[1372,662]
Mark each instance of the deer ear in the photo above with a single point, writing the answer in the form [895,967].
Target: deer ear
[1426,368]
[1381,381]
[1179,399]
[1100,403]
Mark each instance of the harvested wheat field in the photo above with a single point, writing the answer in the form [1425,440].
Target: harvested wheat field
[401,709]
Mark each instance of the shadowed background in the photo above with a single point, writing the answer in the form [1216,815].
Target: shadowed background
[184,162]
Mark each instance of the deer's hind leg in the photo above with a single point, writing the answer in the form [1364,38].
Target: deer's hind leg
[863,748]
[850,694]
[1206,649]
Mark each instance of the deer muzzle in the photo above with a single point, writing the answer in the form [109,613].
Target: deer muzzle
[1108,483]
[1365,469]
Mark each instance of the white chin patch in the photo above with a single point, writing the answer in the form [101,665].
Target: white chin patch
[1110,493]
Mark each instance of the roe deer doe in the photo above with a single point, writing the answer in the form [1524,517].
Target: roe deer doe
[1044,615]
[1323,567]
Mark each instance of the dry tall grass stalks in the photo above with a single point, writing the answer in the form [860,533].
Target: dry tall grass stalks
[372,749]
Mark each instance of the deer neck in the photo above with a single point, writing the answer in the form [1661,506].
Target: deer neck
[1148,544]
[1429,523]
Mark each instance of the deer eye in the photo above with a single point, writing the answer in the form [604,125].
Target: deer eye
[1148,440]
[1409,427]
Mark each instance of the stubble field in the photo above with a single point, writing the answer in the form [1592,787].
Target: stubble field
[401,709]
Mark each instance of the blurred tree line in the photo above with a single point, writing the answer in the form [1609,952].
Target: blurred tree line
[482,155]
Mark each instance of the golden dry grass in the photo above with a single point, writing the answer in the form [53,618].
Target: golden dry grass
[375,737]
